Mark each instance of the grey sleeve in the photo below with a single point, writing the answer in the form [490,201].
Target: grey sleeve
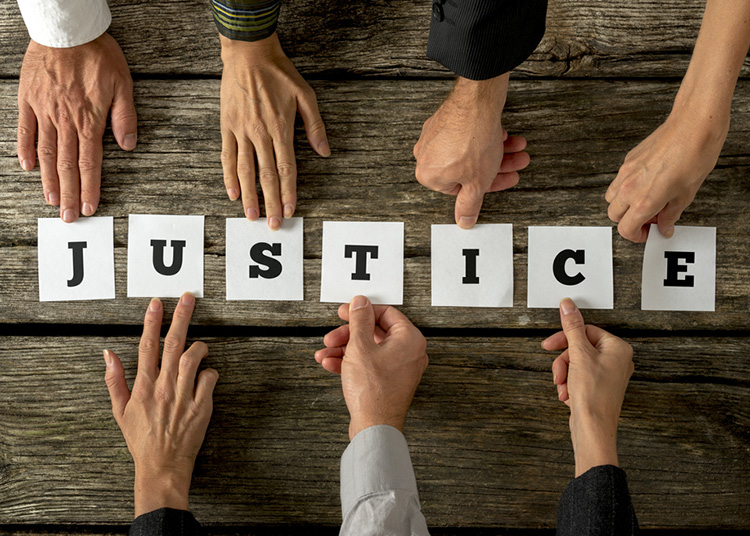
[378,488]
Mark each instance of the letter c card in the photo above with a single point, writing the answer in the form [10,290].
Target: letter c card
[165,256]
[263,264]
[76,260]
[574,262]
[363,258]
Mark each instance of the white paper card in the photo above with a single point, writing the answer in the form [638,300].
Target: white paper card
[574,262]
[679,273]
[263,264]
[474,267]
[76,260]
[165,256]
[363,258]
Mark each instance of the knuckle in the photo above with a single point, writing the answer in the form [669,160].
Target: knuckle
[260,132]
[47,151]
[110,380]
[267,175]
[287,170]
[201,347]
[87,164]
[147,346]
[66,164]
[63,116]
[24,131]
[279,126]
[317,125]
[245,169]
[171,344]
[162,393]
[226,157]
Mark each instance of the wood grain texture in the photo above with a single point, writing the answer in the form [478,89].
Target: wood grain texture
[578,132]
[489,440]
[638,38]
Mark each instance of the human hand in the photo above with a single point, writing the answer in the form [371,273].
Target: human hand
[662,174]
[261,92]
[465,151]
[165,418]
[64,96]
[591,377]
[380,356]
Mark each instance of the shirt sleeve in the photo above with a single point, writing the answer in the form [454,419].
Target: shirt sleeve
[481,39]
[65,23]
[166,522]
[597,503]
[246,20]
[378,489]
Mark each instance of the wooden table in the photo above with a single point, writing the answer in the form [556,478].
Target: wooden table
[489,440]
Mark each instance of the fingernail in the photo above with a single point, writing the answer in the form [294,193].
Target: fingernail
[554,378]
[359,302]
[187,299]
[107,358]
[69,216]
[274,223]
[288,210]
[54,198]
[669,232]
[323,148]
[129,142]
[568,306]
[155,305]
[465,222]
[26,165]
[559,391]
[87,209]
[233,194]
[252,214]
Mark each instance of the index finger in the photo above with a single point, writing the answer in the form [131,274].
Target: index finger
[148,350]
[174,342]
[386,316]
[90,166]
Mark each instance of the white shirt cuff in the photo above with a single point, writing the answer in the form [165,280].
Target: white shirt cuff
[376,460]
[65,23]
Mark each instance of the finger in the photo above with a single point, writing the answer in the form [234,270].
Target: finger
[468,204]
[505,134]
[67,170]
[572,324]
[269,182]
[560,368]
[188,368]
[315,129]
[229,164]
[332,364]
[204,387]
[361,322]
[340,336]
[633,226]
[668,217]
[26,135]
[514,162]
[617,209]
[386,316]
[119,393]
[514,144]
[124,117]
[90,166]
[47,150]
[614,187]
[556,341]
[148,350]
[323,353]
[503,181]
[174,342]
[563,394]
[286,167]
[246,174]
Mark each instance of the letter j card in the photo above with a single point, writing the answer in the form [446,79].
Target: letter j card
[76,260]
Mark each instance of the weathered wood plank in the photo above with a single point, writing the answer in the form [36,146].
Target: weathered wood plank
[489,440]
[587,38]
[578,134]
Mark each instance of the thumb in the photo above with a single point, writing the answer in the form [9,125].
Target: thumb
[115,380]
[468,204]
[667,218]
[124,118]
[573,324]
[314,126]
[361,322]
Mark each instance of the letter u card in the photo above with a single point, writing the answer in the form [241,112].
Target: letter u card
[165,256]
[572,262]
[263,264]
[76,260]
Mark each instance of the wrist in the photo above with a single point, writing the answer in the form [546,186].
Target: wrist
[492,91]
[357,424]
[166,490]
[261,51]
[594,443]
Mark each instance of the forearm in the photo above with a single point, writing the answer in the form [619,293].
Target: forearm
[156,492]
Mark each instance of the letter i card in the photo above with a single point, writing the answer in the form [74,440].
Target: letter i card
[76,260]
[165,256]
[363,258]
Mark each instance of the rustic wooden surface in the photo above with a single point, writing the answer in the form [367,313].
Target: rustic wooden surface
[500,455]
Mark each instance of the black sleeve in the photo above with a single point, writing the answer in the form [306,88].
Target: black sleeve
[166,522]
[597,503]
[481,39]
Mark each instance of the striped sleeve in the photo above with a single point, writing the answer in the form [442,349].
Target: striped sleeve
[245,20]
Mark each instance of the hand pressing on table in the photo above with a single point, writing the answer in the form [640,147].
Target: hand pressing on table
[661,176]
[380,356]
[164,419]
[465,151]
[261,92]
[591,375]
[64,97]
